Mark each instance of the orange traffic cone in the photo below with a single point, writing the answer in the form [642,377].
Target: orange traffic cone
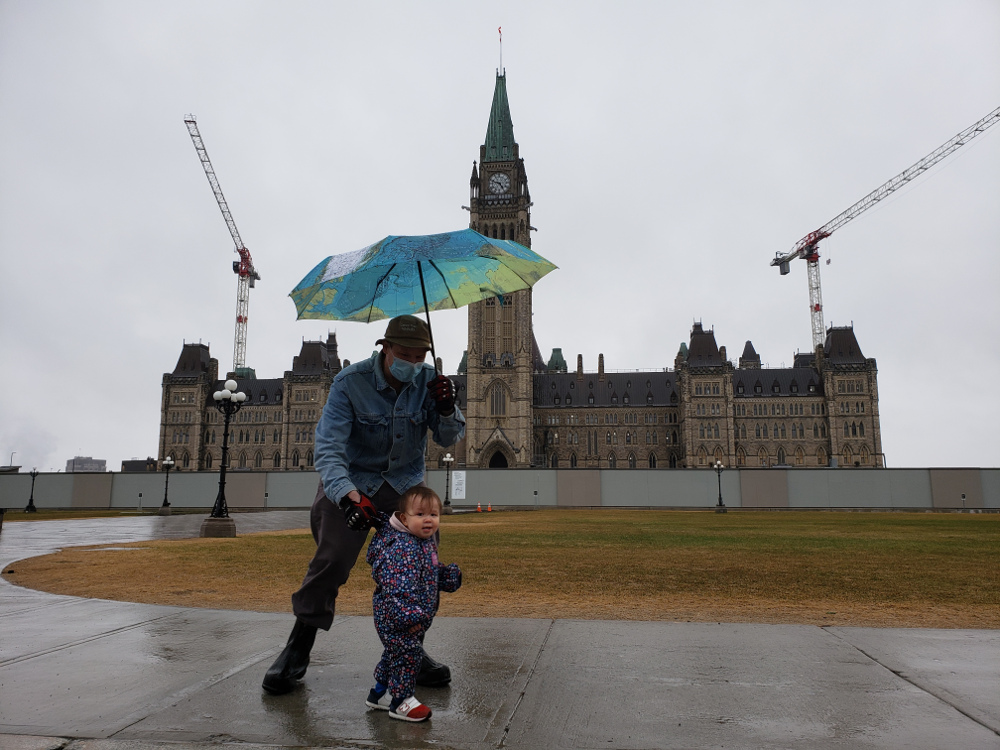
[479,508]
[489,507]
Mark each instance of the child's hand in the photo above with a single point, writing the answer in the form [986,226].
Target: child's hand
[417,629]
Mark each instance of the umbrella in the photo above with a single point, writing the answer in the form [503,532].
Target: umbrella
[402,275]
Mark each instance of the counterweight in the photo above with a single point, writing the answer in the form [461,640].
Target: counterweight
[244,268]
[808,246]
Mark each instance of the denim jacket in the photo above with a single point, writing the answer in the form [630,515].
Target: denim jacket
[367,434]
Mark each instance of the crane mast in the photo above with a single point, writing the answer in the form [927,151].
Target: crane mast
[808,247]
[244,268]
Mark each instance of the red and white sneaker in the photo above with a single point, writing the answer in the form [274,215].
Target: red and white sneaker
[410,710]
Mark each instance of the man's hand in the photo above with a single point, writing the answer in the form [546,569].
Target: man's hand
[360,514]
[443,392]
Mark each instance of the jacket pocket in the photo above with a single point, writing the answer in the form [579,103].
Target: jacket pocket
[375,431]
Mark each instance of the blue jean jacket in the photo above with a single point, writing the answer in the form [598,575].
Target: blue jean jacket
[367,434]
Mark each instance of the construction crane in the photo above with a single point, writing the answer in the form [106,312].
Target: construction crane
[808,246]
[243,267]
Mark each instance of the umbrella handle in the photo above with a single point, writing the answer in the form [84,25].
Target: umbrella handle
[427,312]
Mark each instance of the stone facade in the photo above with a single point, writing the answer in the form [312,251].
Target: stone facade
[275,429]
[525,412]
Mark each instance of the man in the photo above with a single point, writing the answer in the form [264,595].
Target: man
[370,445]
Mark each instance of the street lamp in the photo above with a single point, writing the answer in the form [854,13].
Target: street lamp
[721,507]
[228,401]
[31,500]
[168,464]
[448,461]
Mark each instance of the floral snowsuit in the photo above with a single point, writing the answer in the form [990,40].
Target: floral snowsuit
[408,580]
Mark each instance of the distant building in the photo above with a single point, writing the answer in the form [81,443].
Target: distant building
[85,463]
[525,412]
[138,465]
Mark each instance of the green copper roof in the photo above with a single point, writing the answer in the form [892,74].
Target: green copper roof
[500,131]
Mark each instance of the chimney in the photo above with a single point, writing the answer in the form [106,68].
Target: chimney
[600,367]
[579,367]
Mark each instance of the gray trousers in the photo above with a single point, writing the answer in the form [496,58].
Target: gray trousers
[337,550]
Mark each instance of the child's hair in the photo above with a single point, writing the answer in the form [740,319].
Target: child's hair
[418,496]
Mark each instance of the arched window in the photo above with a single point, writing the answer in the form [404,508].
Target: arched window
[800,457]
[743,431]
[554,461]
[498,400]
[243,460]
[854,429]
[848,455]
[631,460]
[208,460]
[762,457]
[295,459]
[782,432]
[628,438]
[847,430]
[276,460]
[821,457]
[781,456]
[309,458]
[715,430]
[865,455]
[741,457]
[652,460]
[702,456]
[612,461]
[572,460]
[258,460]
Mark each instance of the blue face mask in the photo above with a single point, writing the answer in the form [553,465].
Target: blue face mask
[403,371]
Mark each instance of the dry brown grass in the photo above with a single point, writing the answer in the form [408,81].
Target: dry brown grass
[898,570]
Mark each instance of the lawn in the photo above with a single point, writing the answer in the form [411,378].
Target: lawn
[871,569]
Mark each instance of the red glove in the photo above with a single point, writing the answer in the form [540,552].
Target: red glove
[361,515]
[443,392]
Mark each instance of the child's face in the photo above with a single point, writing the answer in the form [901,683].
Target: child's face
[421,518]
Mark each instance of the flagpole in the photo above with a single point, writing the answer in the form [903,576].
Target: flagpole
[500,32]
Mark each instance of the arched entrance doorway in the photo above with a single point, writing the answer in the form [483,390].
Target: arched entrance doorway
[498,461]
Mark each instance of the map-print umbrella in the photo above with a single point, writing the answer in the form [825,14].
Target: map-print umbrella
[402,275]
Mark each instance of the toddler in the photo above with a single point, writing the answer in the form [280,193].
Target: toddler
[408,578]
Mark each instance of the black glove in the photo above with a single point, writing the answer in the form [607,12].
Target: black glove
[361,515]
[443,392]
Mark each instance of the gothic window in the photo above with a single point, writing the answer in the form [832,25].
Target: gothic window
[631,460]
[655,439]
[701,431]
[854,429]
[865,455]
[758,388]
[243,460]
[503,231]
[276,461]
[847,430]
[861,429]
[762,456]
[258,460]
[782,432]
[743,431]
[309,458]
[673,436]
[649,438]
[781,456]
[794,387]
[614,437]
[208,460]
[607,438]
[295,459]
[498,400]
[800,457]
[775,432]
[625,399]
[822,430]
[739,387]
[614,398]
[702,456]
[741,457]
[590,399]
[612,461]
[572,460]
[848,455]
[715,431]
[554,461]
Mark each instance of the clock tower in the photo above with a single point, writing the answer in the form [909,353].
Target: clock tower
[502,354]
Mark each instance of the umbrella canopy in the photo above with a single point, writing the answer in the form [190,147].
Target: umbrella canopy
[402,275]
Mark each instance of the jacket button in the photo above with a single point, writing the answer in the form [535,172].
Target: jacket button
[399,435]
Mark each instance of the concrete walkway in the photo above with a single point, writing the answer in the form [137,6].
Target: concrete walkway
[100,675]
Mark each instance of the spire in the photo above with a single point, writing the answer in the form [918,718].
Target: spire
[500,131]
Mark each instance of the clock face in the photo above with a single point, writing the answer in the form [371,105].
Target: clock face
[499,183]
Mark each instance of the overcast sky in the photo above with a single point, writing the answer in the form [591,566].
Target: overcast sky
[671,149]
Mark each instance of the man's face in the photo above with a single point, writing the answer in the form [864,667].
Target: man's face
[413,354]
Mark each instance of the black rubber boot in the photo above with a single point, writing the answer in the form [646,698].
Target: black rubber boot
[290,666]
[432,673]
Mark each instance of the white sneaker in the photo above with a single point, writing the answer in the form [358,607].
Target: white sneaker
[410,710]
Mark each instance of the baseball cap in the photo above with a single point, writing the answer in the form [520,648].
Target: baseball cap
[407,330]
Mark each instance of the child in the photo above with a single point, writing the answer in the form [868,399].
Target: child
[408,577]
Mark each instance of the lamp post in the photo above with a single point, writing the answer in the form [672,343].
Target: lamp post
[721,507]
[31,499]
[228,401]
[168,464]
[448,461]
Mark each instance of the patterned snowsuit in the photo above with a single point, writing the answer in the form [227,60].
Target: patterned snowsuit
[408,580]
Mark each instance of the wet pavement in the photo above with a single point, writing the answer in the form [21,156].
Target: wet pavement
[100,675]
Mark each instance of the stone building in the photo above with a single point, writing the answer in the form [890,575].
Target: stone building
[523,411]
[273,431]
